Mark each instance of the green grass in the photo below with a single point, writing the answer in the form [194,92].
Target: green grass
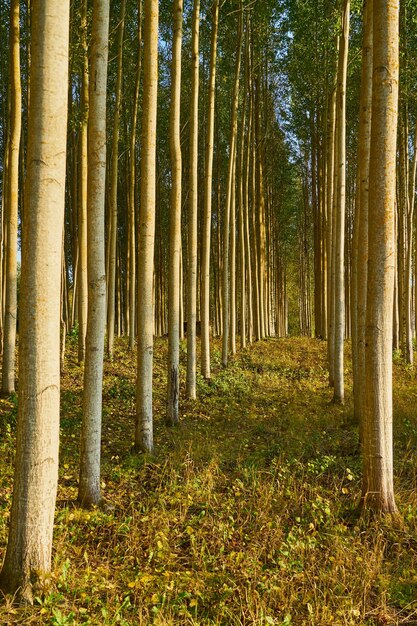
[245,515]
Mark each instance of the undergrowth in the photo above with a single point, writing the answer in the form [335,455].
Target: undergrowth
[245,515]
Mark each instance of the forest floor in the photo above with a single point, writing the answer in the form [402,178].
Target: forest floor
[245,515]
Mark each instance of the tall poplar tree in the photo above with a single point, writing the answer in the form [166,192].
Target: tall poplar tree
[193,206]
[340,191]
[175,222]
[89,481]
[377,486]
[208,184]
[12,204]
[146,235]
[28,557]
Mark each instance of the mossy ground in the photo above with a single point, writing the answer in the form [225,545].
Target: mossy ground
[245,515]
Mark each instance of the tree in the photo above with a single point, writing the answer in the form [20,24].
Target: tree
[82,195]
[132,252]
[146,236]
[193,206]
[377,486]
[28,557]
[175,221]
[89,482]
[339,231]
[230,194]
[208,184]
[114,169]
[12,203]
[360,257]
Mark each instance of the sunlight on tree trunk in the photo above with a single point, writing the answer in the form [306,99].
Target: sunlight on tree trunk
[377,486]
[28,559]
[146,235]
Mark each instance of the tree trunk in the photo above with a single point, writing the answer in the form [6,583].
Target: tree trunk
[377,486]
[339,234]
[411,193]
[175,222]
[360,266]
[82,195]
[208,186]
[193,207]
[89,481]
[28,559]
[12,204]
[230,194]
[146,236]
[132,193]
[114,169]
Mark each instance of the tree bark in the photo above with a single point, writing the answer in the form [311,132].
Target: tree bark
[192,212]
[12,204]
[208,190]
[89,492]
[146,235]
[360,260]
[229,196]
[377,486]
[175,222]
[339,234]
[114,169]
[28,557]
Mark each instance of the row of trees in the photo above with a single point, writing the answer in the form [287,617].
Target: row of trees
[251,195]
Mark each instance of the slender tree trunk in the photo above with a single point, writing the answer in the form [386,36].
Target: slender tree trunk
[377,486]
[12,204]
[247,178]
[208,190]
[146,237]
[361,217]
[242,196]
[82,195]
[260,208]
[329,234]
[411,192]
[230,184]
[132,193]
[193,210]
[232,287]
[89,481]
[28,558]
[174,289]
[339,234]
[114,170]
